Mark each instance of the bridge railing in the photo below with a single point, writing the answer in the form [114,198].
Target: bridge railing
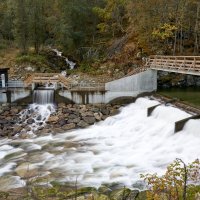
[175,62]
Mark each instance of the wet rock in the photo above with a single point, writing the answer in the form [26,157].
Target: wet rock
[17,129]
[30,121]
[26,170]
[82,124]
[114,112]
[39,118]
[24,135]
[98,116]
[69,126]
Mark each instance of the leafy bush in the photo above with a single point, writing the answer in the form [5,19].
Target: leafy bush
[180,182]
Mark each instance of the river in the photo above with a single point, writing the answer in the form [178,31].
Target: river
[116,150]
[190,95]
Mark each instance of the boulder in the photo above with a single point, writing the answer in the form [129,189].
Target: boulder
[105,111]
[53,119]
[30,121]
[76,120]
[82,124]
[87,114]
[69,126]
[72,116]
[89,120]
[98,116]
[62,122]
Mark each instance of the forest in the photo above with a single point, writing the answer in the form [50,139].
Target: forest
[92,30]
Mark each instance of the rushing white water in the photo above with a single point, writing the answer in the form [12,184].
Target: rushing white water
[36,116]
[117,150]
[70,63]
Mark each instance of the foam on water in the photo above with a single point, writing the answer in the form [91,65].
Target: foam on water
[117,150]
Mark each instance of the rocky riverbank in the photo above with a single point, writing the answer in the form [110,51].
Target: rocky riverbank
[18,120]
[86,193]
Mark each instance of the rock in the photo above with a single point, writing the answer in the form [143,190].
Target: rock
[105,111]
[98,116]
[104,190]
[69,126]
[62,122]
[17,129]
[39,118]
[89,120]
[26,170]
[121,194]
[76,120]
[53,119]
[14,111]
[87,114]
[104,117]
[24,135]
[66,111]
[114,112]
[72,116]
[82,124]
[3,121]
[30,121]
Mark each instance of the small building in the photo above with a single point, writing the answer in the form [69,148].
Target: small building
[3,77]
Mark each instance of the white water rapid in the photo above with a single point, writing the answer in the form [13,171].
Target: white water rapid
[117,150]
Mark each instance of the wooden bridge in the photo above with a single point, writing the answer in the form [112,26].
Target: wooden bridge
[47,78]
[55,78]
[177,64]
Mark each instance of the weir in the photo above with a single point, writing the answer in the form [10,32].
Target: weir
[43,97]
[179,125]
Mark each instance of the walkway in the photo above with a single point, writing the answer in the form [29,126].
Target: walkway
[178,64]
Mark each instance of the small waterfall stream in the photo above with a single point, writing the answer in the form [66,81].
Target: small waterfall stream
[116,150]
[43,97]
[38,113]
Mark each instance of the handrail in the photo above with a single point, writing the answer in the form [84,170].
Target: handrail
[178,64]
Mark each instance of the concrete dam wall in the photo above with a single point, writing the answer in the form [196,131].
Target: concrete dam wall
[126,87]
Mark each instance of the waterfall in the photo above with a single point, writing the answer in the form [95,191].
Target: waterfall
[43,97]
[68,62]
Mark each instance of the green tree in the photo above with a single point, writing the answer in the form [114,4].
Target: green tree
[36,23]
[22,25]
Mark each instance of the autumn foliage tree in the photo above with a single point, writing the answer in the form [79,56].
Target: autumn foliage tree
[180,182]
